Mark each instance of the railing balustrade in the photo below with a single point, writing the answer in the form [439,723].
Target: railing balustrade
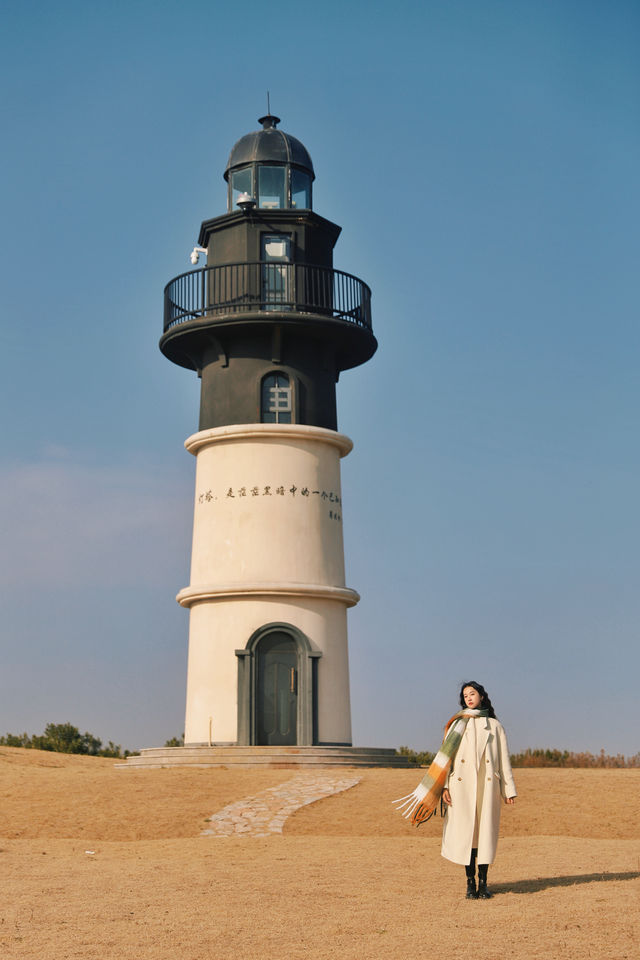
[234,288]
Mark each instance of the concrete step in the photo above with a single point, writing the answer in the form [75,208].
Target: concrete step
[205,756]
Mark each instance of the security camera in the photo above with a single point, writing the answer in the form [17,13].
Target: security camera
[195,253]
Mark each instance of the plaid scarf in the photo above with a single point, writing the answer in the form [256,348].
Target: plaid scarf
[422,802]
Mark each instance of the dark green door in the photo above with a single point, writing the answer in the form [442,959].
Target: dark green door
[277,691]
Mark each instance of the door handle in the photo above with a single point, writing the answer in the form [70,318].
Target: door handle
[293,680]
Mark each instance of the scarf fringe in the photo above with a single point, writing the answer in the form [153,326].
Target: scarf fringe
[407,805]
[423,813]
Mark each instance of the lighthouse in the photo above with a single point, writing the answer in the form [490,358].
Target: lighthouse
[268,324]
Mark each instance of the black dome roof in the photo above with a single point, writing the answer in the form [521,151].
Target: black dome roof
[269,146]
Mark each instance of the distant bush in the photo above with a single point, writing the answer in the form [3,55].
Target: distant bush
[175,742]
[543,758]
[64,738]
[422,759]
[566,758]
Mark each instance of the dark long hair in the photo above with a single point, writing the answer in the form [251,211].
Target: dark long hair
[485,702]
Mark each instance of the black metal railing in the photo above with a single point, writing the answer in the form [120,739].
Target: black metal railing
[234,288]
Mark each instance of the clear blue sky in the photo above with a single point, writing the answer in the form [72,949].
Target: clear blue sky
[482,160]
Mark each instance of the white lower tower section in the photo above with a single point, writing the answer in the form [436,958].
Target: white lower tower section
[267,562]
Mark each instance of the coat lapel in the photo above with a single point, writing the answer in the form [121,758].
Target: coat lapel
[483,736]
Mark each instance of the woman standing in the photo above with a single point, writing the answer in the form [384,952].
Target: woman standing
[472,773]
[479,777]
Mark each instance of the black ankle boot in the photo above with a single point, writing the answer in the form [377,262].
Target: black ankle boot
[470,870]
[483,893]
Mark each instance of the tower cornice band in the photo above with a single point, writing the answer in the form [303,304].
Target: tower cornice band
[277,432]
[251,591]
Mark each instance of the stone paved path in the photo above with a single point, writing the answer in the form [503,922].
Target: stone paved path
[266,812]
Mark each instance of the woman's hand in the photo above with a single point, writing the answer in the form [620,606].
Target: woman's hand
[510,800]
[446,796]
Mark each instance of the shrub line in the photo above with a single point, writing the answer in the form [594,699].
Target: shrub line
[545,758]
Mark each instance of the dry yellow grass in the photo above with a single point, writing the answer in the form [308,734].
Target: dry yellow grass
[349,879]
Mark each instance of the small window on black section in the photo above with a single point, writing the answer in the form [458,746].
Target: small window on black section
[276,398]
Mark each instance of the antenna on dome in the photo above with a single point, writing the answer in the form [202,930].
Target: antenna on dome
[268,103]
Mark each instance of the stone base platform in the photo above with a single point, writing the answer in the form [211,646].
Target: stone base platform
[232,756]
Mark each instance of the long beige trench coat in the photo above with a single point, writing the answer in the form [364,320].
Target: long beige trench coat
[480,778]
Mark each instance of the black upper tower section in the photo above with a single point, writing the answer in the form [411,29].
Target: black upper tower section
[268,323]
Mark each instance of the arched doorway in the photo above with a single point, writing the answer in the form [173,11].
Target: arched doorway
[277,688]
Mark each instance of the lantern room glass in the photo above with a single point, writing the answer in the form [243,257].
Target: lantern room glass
[271,188]
[241,182]
[300,190]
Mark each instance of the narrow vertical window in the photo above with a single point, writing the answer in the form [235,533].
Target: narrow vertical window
[277,292]
[276,399]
